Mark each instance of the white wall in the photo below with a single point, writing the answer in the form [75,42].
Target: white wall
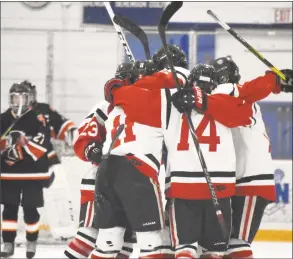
[16,15]
[231,12]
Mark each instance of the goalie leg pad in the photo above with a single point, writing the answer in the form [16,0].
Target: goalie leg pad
[83,243]
[109,243]
[150,244]
[186,251]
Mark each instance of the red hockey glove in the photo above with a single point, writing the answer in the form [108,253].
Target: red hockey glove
[110,85]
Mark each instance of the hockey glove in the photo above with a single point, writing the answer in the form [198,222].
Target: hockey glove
[93,152]
[190,98]
[285,86]
[110,85]
[13,154]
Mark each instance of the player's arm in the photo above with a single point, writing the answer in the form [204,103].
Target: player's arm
[226,109]
[260,87]
[36,146]
[64,129]
[91,136]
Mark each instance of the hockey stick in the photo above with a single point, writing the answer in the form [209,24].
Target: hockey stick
[134,29]
[226,27]
[119,31]
[170,10]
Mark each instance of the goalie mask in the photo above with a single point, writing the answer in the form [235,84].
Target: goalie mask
[20,98]
[226,71]
[202,75]
[177,54]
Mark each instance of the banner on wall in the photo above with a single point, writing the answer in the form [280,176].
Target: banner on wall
[277,220]
[142,13]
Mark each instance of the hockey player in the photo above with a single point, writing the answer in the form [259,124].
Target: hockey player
[255,185]
[138,105]
[25,140]
[92,134]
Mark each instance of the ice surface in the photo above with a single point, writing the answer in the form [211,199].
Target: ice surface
[261,250]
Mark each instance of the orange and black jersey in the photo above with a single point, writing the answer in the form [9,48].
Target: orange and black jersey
[34,163]
[58,123]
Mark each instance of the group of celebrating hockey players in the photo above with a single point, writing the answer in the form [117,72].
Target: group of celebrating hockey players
[125,205]
[28,161]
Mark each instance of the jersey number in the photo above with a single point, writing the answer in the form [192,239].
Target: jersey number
[212,140]
[129,136]
[91,129]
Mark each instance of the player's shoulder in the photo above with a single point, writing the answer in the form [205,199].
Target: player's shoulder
[229,89]
[182,71]
[42,107]
[101,106]
[6,114]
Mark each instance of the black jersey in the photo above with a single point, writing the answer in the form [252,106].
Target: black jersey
[58,123]
[34,164]
[58,126]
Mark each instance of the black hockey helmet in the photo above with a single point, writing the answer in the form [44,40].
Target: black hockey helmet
[202,75]
[124,70]
[32,89]
[226,70]
[20,98]
[178,57]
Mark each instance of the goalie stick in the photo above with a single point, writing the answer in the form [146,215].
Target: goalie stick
[227,28]
[119,32]
[134,29]
[170,10]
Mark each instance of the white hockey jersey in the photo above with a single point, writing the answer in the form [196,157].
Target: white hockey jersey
[254,166]
[184,167]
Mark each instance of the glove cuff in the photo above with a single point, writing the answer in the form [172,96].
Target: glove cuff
[200,100]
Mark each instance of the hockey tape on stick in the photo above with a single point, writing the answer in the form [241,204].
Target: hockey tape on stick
[170,10]
[119,32]
[226,27]
[134,29]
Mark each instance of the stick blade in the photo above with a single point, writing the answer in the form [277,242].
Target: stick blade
[169,11]
[134,29]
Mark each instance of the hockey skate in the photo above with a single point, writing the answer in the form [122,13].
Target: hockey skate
[31,249]
[8,250]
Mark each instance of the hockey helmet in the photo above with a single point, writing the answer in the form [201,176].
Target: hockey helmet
[124,71]
[177,54]
[226,70]
[202,75]
[32,89]
[20,98]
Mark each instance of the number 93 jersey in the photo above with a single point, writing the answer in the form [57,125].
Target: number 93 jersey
[142,142]
[185,174]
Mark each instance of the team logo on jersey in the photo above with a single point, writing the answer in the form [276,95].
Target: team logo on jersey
[13,137]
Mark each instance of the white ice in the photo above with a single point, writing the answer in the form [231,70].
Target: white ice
[261,250]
